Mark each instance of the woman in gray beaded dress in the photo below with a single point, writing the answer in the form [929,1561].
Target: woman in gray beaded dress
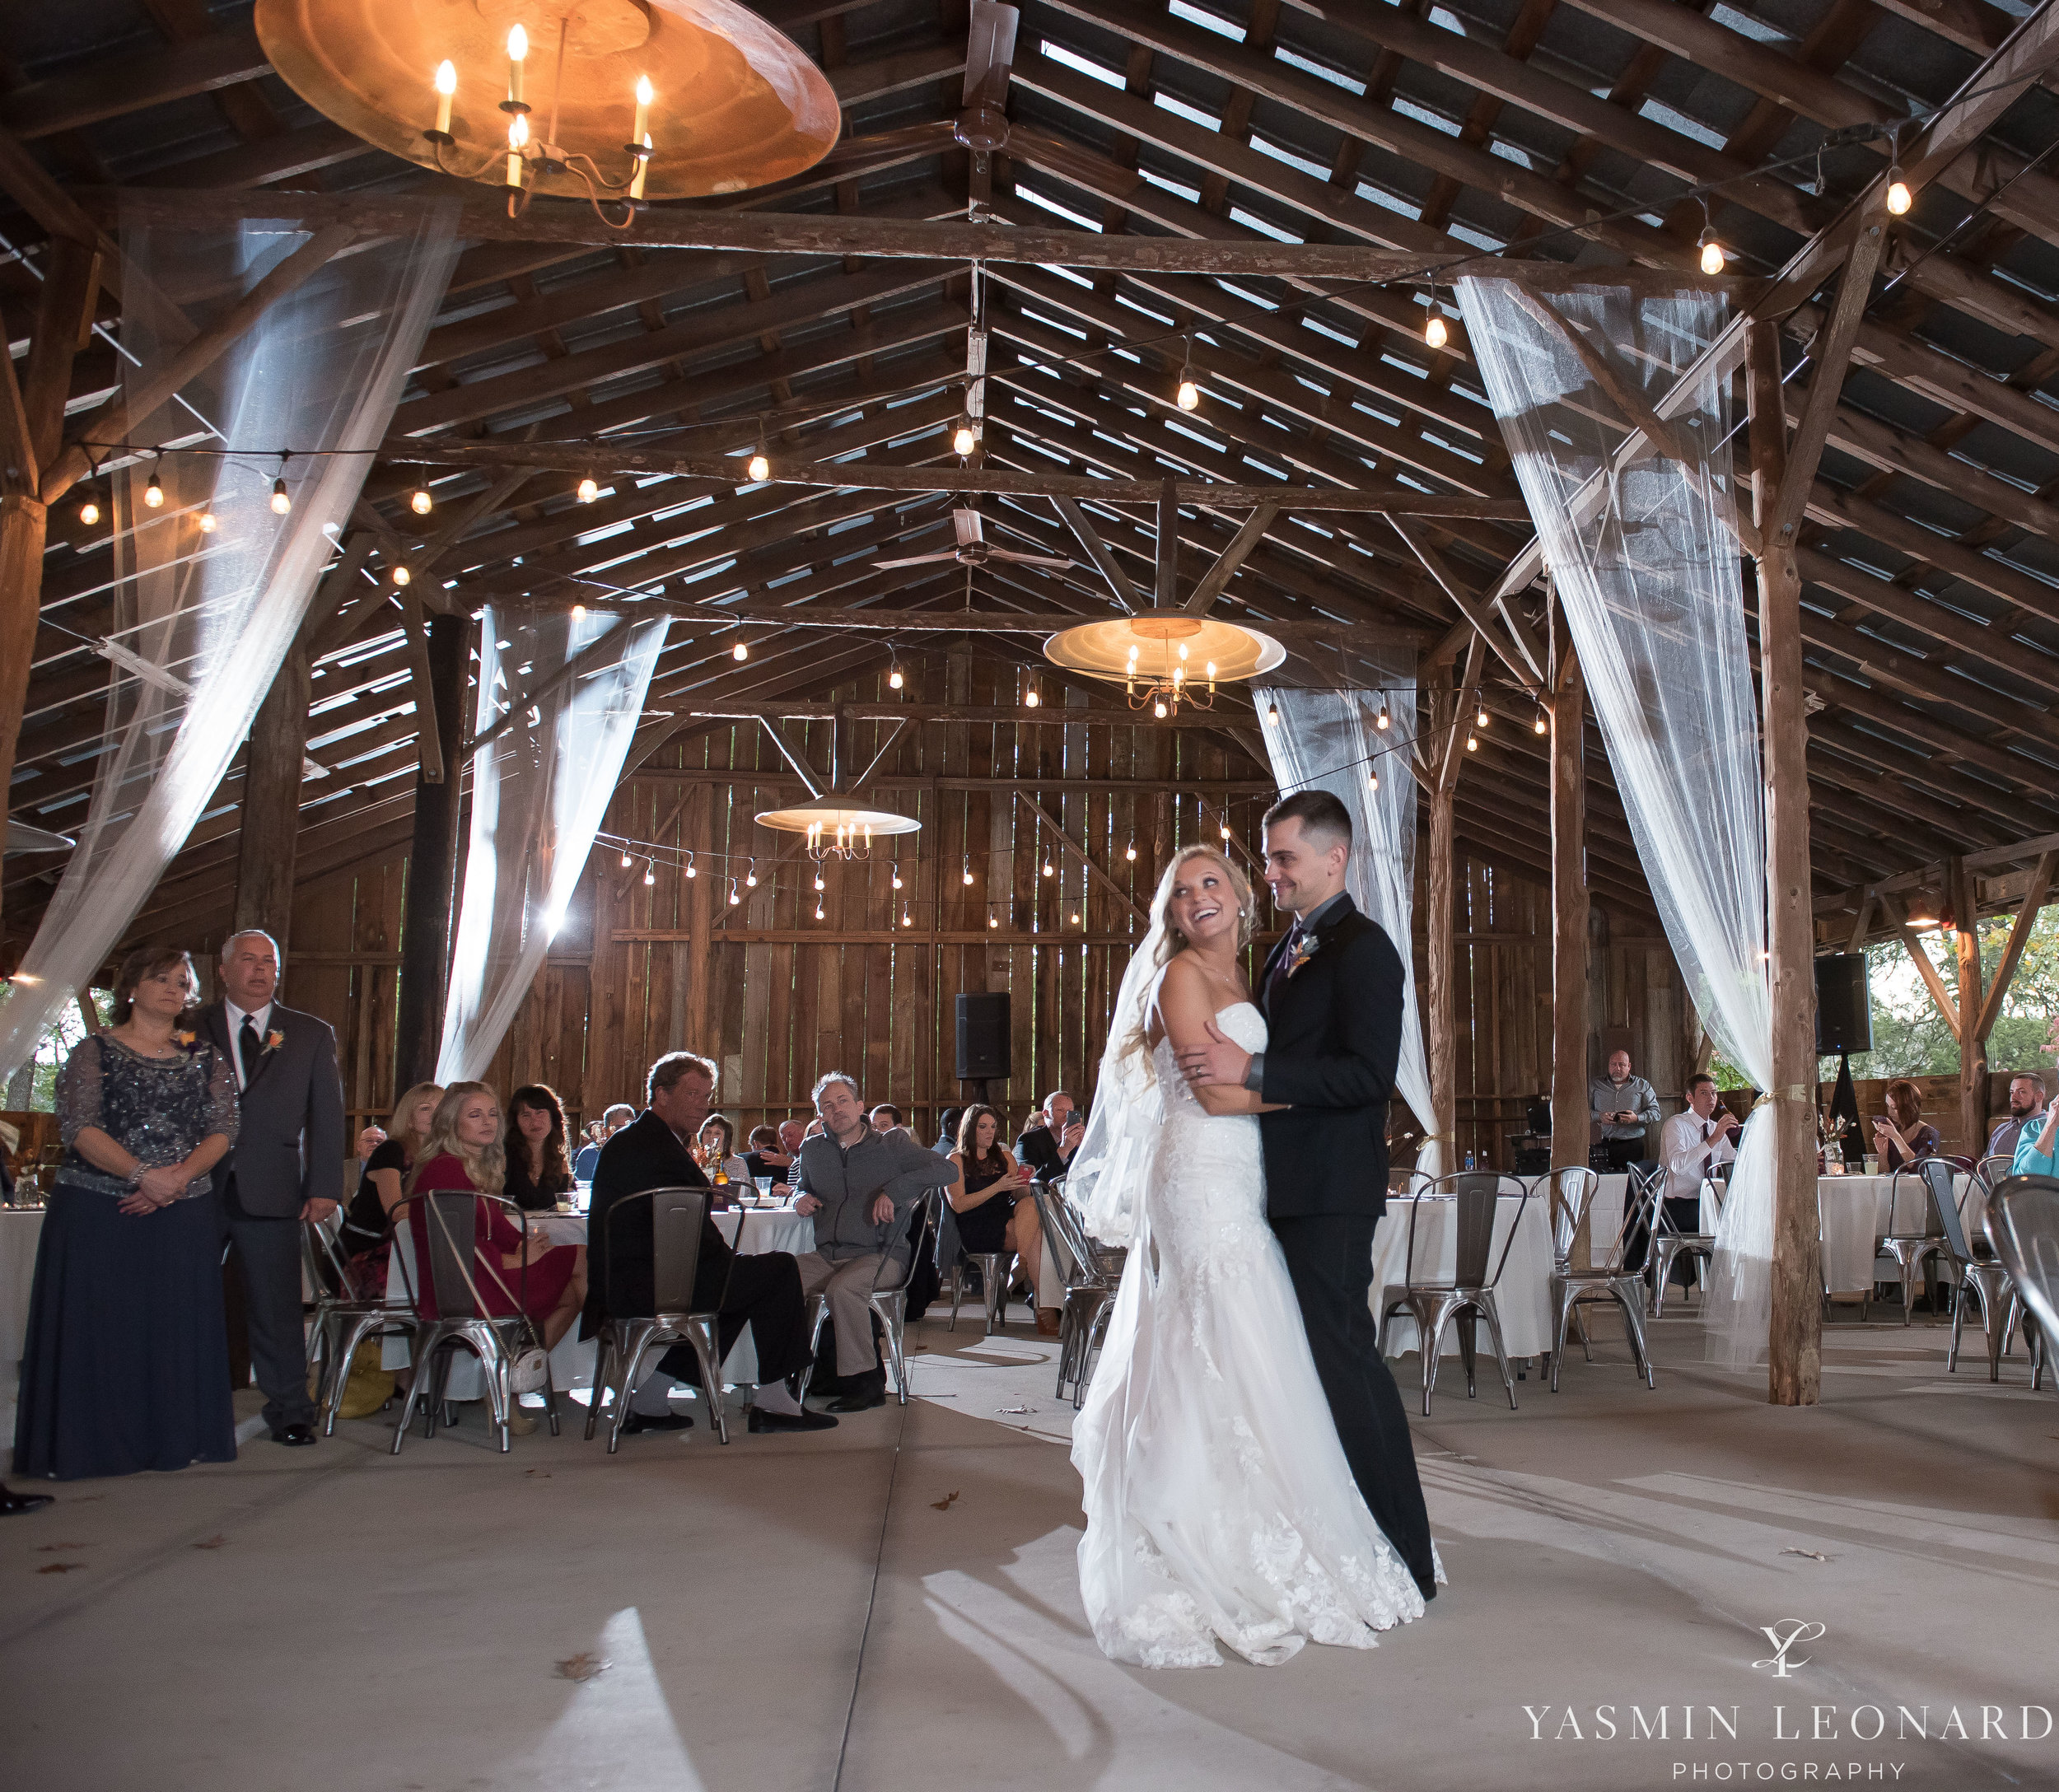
[127,1363]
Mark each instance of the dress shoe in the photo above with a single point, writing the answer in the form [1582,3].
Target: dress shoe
[11,1502]
[863,1393]
[293,1436]
[1428,1589]
[1048,1324]
[762,1421]
[652,1421]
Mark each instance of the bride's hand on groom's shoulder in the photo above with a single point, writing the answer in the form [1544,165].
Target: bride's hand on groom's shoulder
[1221,1061]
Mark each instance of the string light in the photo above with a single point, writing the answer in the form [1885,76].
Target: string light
[1158,709]
[759,465]
[907,919]
[969,873]
[1711,249]
[1372,778]
[154,492]
[820,884]
[1383,721]
[206,521]
[690,870]
[1480,718]
[1542,725]
[734,898]
[1273,713]
[1433,332]
[419,501]
[964,440]
[818,909]
[589,490]
[1076,917]
[740,651]
[895,681]
[1030,699]
[650,873]
[402,576]
[896,880]
[993,921]
[1047,865]
[89,510]
[1129,852]
[750,876]
[627,861]
[281,499]
[1473,743]
[1224,831]
[1188,396]
[1899,199]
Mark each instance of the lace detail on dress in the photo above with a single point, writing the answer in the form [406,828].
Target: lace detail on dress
[1220,1507]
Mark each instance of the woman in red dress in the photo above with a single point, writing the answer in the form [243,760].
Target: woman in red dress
[465,1150]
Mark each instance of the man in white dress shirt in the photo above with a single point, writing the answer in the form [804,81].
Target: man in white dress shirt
[1690,1145]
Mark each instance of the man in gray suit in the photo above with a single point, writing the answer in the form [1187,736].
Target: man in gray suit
[287,1166]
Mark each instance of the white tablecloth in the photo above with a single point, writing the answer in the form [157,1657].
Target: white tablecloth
[19,1229]
[1523,1296]
[1853,1214]
[573,1363]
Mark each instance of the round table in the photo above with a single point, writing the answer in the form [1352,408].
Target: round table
[1523,1296]
[749,1231]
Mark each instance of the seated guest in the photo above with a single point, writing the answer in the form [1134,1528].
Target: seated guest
[1691,1144]
[947,1131]
[764,1161]
[2026,1096]
[363,1235]
[763,1291]
[1623,1105]
[611,1122]
[886,1118]
[125,1365]
[2038,1143]
[1053,1134]
[994,1212]
[859,1185]
[513,1270]
[1902,1134]
[712,1152]
[538,1170]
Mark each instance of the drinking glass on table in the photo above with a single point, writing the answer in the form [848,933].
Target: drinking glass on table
[765,1190]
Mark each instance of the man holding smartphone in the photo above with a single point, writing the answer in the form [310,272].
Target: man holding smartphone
[1047,1147]
[1691,1144]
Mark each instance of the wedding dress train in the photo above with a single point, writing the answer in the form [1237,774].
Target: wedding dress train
[1219,1504]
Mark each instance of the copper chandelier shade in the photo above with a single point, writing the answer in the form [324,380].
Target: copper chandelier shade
[736,104]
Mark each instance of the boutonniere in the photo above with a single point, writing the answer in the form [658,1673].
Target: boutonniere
[1303,950]
[273,1040]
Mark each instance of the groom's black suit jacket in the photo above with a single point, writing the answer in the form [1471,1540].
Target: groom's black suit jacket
[1334,1029]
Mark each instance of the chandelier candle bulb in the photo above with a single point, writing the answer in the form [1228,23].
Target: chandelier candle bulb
[517,136]
[644,97]
[517,55]
[446,86]
[643,167]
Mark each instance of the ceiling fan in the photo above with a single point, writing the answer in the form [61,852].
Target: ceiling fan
[983,126]
[972,549]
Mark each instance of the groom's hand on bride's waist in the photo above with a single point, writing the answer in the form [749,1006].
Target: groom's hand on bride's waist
[1219,1061]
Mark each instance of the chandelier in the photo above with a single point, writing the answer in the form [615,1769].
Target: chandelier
[837,827]
[1164,658]
[616,101]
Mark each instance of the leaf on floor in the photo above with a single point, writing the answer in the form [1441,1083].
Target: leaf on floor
[582,1667]
[541,1474]
[1017,1409]
[1813,1554]
[59,1567]
[943,1504]
[212,1542]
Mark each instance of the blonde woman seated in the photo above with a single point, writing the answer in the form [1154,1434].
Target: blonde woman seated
[465,1150]
[990,1198]
[393,1154]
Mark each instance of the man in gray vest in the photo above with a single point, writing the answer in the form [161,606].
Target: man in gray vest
[286,1168]
[858,1185]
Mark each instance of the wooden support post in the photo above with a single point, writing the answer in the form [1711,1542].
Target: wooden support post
[1571,1119]
[21,525]
[1973,1040]
[270,821]
[1439,1023]
[1794,1342]
[432,858]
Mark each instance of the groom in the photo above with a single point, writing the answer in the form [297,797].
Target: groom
[1331,994]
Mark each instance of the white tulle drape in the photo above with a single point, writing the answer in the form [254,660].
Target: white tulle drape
[539,789]
[1330,740]
[1646,566]
[201,621]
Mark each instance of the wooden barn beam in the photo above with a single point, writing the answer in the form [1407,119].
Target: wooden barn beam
[432,856]
[268,817]
[109,88]
[1571,1119]
[1782,474]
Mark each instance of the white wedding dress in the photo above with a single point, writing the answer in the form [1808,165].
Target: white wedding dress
[1219,1504]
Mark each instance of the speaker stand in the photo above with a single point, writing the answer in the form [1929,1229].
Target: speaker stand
[978,1087]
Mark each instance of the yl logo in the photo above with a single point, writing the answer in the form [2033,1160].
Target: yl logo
[1783,1636]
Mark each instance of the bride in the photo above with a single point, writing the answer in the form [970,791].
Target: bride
[1219,1504]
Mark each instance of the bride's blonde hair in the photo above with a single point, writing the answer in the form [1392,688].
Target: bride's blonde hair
[1168,942]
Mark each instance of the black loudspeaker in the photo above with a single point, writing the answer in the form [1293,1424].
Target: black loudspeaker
[1844,1006]
[982,1037]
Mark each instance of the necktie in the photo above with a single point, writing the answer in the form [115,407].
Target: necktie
[247,1048]
[1708,1158]
[1281,965]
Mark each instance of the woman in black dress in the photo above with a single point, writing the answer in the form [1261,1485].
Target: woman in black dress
[364,1236]
[127,1362]
[992,1212]
[539,1172]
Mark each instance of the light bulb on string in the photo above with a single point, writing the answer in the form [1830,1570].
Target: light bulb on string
[818,909]
[1541,723]
[589,489]
[1480,716]
[750,875]
[650,873]
[1225,832]
[690,870]
[1473,743]
[1899,198]
[1129,852]
[734,898]
[1158,709]
[740,651]
[759,467]
[897,881]
[993,921]
[1030,699]
[281,499]
[907,919]
[1047,867]
[402,576]
[1273,713]
[154,492]
[89,510]
[1434,331]
[627,861]
[964,440]
[1372,779]
[419,501]
[206,521]
[1383,721]
[820,884]
[1075,917]
[969,873]
[895,681]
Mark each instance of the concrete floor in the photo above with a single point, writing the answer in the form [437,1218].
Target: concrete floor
[894,1605]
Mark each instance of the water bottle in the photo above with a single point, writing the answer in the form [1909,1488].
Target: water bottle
[1468,1160]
